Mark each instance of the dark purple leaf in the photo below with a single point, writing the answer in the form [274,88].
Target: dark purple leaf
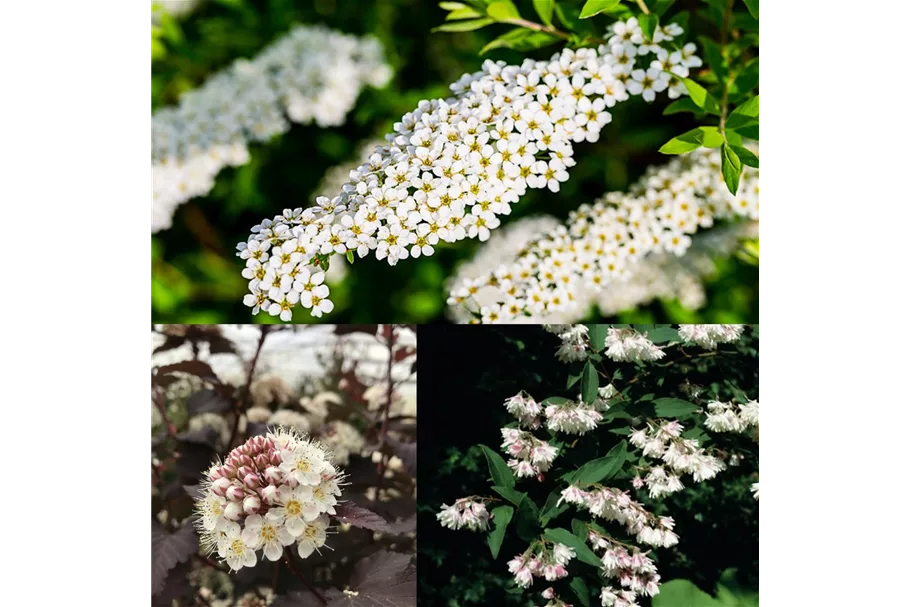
[360,517]
[207,401]
[168,549]
[220,345]
[256,429]
[404,527]
[407,452]
[176,586]
[205,436]
[170,342]
[386,579]
[296,599]
[194,491]
[193,367]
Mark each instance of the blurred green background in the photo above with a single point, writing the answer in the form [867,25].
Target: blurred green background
[195,274]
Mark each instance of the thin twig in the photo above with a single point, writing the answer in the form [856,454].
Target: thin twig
[159,402]
[724,40]
[290,562]
[538,27]
[642,5]
[245,391]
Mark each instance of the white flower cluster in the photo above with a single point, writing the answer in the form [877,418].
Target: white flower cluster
[553,600]
[214,421]
[453,166]
[709,336]
[524,408]
[755,489]
[602,244]
[270,389]
[728,417]
[680,455]
[629,345]
[531,456]
[574,344]
[465,512]
[342,439]
[615,505]
[572,417]
[313,74]
[290,419]
[269,493]
[633,569]
[549,564]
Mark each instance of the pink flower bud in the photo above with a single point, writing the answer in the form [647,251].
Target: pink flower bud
[262,461]
[233,511]
[268,445]
[276,458]
[270,494]
[235,493]
[548,594]
[220,486]
[243,471]
[252,481]
[251,504]
[215,474]
[273,474]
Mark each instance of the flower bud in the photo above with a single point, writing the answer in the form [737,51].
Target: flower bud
[220,486]
[215,474]
[276,458]
[262,461]
[233,511]
[273,474]
[252,481]
[235,493]
[243,471]
[548,594]
[251,504]
[270,493]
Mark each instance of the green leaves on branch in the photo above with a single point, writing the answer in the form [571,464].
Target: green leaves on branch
[589,383]
[527,525]
[521,39]
[545,9]
[581,589]
[648,23]
[583,552]
[746,114]
[703,136]
[596,335]
[753,7]
[499,471]
[730,168]
[673,407]
[463,26]
[503,10]
[501,517]
[701,97]
[593,7]
[603,468]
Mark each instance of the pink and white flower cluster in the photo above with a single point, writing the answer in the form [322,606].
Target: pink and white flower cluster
[575,343]
[680,455]
[709,336]
[553,600]
[629,345]
[728,417]
[271,492]
[572,417]
[531,456]
[633,569]
[525,409]
[465,512]
[615,505]
[547,563]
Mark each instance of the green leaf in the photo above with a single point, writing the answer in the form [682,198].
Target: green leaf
[589,383]
[660,6]
[520,39]
[700,96]
[583,552]
[733,137]
[596,335]
[580,530]
[499,471]
[503,10]
[350,256]
[648,23]
[682,592]
[673,407]
[545,10]
[707,136]
[527,525]
[599,469]
[463,13]
[572,379]
[745,114]
[551,510]
[510,494]
[748,78]
[452,6]
[746,156]
[593,7]
[684,104]
[661,335]
[463,26]
[501,517]
[555,400]
[712,52]
[581,589]
[753,7]
[730,168]
[750,131]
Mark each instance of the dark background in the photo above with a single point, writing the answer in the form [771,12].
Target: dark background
[466,374]
[195,274]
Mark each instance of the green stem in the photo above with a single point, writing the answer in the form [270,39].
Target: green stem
[538,27]
[642,5]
